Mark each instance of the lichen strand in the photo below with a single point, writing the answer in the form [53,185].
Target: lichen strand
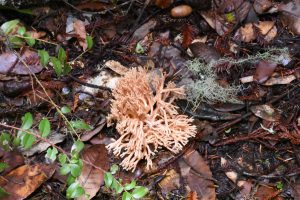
[146,118]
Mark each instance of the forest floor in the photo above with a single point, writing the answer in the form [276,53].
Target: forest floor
[235,134]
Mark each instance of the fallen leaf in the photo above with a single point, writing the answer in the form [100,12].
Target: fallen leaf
[245,191]
[170,182]
[232,175]
[194,168]
[86,136]
[277,79]
[116,67]
[13,159]
[91,178]
[94,6]
[143,30]
[264,70]
[266,112]
[267,193]
[291,15]
[7,61]
[79,29]
[41,146]
[251,31]
[261,6]
[163,3]
[24,180]
[204,52]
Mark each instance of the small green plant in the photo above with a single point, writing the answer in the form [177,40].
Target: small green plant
[129,191]
[279,185]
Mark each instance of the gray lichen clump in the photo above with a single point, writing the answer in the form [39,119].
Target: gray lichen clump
[205,87]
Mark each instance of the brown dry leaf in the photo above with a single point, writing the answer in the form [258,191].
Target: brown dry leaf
[266,29]
[246,187]
[260,6]
[41,146]
[277,79]
[266,112]
[194,168]
[9,63]
[13,159]
[36,34]
[116,67]
[91,178]
[143,30]
[264,70]
[24,180]
[291,15]
[267,193]
[86,136]
[79,29]
[170,182]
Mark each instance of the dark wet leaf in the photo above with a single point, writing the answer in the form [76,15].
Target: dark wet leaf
[291,15]
[204,52]
[194,168]
[264,70]
[143,30]
[29,63]
[266,112]
[91,178]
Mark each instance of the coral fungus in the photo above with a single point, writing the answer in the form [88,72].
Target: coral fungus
[146,118]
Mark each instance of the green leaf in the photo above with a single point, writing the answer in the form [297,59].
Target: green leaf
[108,179]
[130,186]
[139,49]
[139,192]
[65,169]
[21,30]
[16,142]
[3,166]
[27,140]
[62,158]
[3,193]
[16,41]
[75,170]
[51,154]
[77,146]
[117,186]
[230,17]
[27,121]
[7,27]
[65,110]
[126,196]
[75,191]
[44,127]
[5,140]
[80,125]
[114,168]
[57,66]
[89,41]
[44,57]
[62,55]
[29,39]
[67,69]
[71,179]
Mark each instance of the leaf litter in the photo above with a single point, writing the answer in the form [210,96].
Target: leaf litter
[238,88]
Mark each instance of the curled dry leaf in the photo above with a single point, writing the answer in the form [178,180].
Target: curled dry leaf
[24,180]
[79,29]
[194,168]
[264,70]
[277,79]
[266,112]
[91,178]
[251,31]
[116,67]
[170,182]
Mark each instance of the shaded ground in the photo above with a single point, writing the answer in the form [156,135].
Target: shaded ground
[247,148]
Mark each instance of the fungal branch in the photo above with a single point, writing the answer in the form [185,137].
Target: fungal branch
[146,118]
